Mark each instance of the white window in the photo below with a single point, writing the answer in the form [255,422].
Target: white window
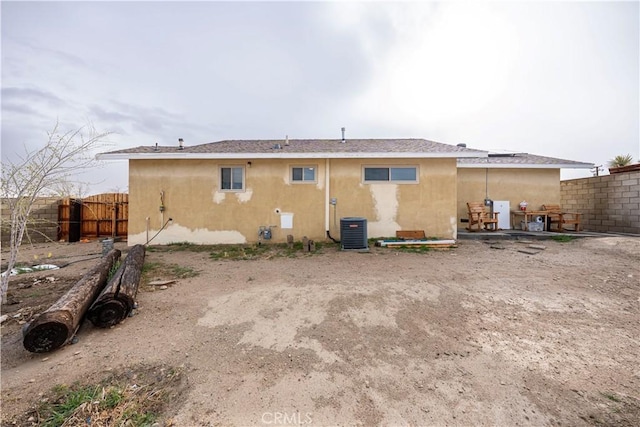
[232,178]
[303,174]
[399,174]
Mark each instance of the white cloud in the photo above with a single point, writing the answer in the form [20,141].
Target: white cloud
[440,68]
[556,79]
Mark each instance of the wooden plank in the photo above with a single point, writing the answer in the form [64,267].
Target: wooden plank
[161,282]
[114,218]
[529,251]
[539,247]
[425,246]
[64,217]
[122,216]
[430,243]
[410,234]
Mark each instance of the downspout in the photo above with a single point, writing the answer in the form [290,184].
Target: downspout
[327,200]
[486,188]
[327,195]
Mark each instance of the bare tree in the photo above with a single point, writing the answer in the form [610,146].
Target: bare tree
[41,172]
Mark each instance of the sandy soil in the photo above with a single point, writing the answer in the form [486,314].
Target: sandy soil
[472,336]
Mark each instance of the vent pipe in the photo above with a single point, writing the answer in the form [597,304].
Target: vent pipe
[343,140]
[156,147]
[180,144]
[286,140]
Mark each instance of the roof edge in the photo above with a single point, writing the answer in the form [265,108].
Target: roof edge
[285,155]
[525,166]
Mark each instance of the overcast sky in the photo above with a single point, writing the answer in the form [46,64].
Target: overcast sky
[558,79]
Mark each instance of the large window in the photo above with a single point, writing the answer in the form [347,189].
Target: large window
[305,174]
[406,174]
[232,178]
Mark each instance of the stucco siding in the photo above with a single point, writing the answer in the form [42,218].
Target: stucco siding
[536,186]
[194,201]
[189,191]
[426,205]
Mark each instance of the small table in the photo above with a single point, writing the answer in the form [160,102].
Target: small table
[530,214]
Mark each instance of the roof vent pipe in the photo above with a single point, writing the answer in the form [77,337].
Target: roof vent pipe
[180,144]
[343,140]
[286,140]
[156,147]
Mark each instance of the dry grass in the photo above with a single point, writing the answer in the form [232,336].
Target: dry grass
[138,396]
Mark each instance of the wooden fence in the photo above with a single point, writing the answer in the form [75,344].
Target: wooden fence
[102,215]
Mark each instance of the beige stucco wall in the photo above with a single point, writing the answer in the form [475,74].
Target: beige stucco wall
[201,213]
[388,207]
[535,186]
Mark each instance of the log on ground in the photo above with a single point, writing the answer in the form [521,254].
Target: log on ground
[118,298]
[58,324]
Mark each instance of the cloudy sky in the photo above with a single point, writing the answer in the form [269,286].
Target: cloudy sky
[559,79]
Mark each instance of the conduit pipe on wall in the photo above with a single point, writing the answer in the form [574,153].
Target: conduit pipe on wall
[161,228]
[162,208]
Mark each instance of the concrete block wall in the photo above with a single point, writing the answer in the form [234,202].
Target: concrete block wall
[43,223]
[609,203]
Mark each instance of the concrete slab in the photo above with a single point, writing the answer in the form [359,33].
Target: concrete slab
[528,235]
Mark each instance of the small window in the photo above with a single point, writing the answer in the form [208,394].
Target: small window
[303,174]
[376,174]
[232,178]
[391,174]
[403,174]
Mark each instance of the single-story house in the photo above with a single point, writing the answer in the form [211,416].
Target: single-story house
[241,191]
[511,178]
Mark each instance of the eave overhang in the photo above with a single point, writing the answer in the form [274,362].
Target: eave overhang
[287,155]
[525,166]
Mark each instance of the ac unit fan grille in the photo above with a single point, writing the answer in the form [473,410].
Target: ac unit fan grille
[353,233]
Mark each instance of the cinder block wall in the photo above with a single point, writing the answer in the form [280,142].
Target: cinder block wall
[43,223]
[608,203]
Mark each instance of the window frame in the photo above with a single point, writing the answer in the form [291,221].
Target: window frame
[390,180]
[303,167]
[243,177]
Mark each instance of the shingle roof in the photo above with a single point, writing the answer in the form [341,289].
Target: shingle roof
[520,160]
[335,148]
[302,148]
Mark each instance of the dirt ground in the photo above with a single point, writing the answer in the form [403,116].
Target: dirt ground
[479,335]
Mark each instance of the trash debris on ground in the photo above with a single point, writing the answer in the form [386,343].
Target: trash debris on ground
[529,251]
[539,247]
[22,270]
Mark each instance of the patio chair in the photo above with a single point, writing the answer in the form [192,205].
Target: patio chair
[480,218]
[558,219]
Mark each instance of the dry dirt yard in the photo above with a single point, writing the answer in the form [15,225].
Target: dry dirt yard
[470,336]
